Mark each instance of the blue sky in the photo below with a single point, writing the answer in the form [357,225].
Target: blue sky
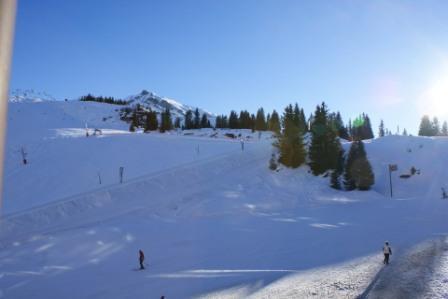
[386,58]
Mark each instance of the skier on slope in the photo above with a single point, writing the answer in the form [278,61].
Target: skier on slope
[387,252]
[141,259]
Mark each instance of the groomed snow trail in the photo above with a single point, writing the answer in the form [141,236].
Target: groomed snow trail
[438,285]
[338,281]
[412,274]
[167,194]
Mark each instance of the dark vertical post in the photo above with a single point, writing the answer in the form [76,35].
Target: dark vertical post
[390,179]
[121,174]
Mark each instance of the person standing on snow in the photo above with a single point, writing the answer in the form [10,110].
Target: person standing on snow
[141,259]
[387,252]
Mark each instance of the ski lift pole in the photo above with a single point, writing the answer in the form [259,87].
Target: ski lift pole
[390,179]
[121,170]
[7,21]
[392,167]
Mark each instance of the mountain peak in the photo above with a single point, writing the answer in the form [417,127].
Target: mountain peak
[150,100]
[29,96]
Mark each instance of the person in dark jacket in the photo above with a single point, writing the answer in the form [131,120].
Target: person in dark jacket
[141,259]
[387,252]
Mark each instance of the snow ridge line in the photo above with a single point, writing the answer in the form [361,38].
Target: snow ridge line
[39,218]
[117,185]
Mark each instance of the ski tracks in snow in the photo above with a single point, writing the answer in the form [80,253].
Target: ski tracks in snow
[421,273]
[110,202]
[345,280]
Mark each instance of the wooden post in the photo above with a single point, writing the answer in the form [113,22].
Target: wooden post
[7,20]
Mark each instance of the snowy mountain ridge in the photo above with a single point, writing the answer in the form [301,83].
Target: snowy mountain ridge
[146,99]
[29,96]
[157,103]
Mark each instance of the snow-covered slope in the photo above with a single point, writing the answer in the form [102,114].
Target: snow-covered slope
[63,162]
[212,219]
[427,155]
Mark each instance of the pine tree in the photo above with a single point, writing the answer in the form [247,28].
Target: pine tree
[189,120]
[381,131]
[260,120]
[334,180]
[368,128]
[405,132]
[435,127]
[358,171]
[362,170]
[197,119]
[362,128]
[357,128]
[177,122]
[324,148]
[151,121]
[244,120]
[349,181]
[290,142]
[303,123]
[340,127]
[274,122]
[252,122]
[166,123]
[310,122]
[221,122]
[224,122]
[233,120]
[341,159]
[425,127]
[350,129]
[296,115]
[445,129]
[134,122]
[204,121]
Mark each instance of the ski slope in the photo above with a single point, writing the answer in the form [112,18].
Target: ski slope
[54,134]
[213,223]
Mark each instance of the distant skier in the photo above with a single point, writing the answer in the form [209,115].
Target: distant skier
[242,144]
[387,252]
[141,259]
[444,195]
